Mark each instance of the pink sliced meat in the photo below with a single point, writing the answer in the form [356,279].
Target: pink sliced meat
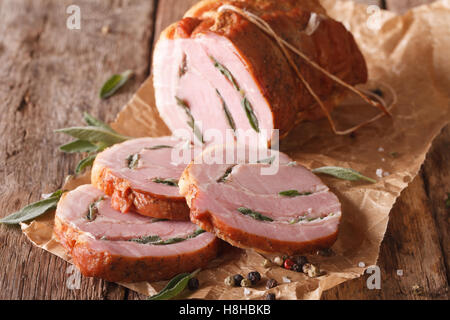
[141,175]
[289,211]
[107,244]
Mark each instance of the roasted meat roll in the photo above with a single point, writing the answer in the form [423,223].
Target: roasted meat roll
[107,244]
[215,69]
[288,211]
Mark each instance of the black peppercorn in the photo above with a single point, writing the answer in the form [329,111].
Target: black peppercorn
[237,280]
[254,277]
[271,283]
[193,284]
[270,296]
[300,260]
[297,268]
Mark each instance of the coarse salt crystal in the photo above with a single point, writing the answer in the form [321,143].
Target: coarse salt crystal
[380,149]
[247,291]
[383,160]
[379,173]
[286,280]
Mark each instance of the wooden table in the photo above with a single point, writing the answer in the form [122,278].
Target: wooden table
[49,75]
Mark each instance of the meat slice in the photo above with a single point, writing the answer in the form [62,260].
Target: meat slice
[216,70]
[142,175]
[290,211]
[107,244]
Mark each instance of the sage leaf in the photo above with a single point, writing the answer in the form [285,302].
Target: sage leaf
[175,286]
[93,209]
[79,146]
[269,160]
[94,134]
[133,161]
[227,112]
[343,173]
[191,121]
[146,240]
[227,173]
[86,162]
[115,83]
[94,122]
[159,147]
[253,214]
[169,182]
[225,72]
[250,114]
[294,193]
[33,210]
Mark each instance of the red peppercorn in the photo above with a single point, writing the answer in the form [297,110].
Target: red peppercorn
[288,264]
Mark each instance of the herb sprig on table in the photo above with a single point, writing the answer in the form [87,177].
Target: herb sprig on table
[94,138]
[175,286]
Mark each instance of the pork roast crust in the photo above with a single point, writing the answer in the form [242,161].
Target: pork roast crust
[244,240]
[125,199]
[116,268]
[331,46]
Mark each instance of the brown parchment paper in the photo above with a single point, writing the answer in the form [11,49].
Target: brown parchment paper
[410,54]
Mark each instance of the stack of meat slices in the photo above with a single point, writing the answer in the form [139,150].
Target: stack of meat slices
[119,231]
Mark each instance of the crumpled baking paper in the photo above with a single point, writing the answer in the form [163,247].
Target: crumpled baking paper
[406,53]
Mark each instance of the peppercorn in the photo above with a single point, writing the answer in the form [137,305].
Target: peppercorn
[254,277]
[271,283]
[297,268]
[300,260]
[311,270]
[237,280]
[246,283]
[288,264]
[271,296]
[193,284]
[278,261]
[229,281]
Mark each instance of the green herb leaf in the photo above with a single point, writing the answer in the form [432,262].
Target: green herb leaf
[169,182]
[94,122]
[343,173]
[250,114]
[183,67]
[34,210]
[191,121]
[133,161]
[79,146]
[159,147]
[94,134]
[225,72]
[223,178]
[86,162]
[267,160]
[115,83]
[93,209]
[147,240]
[293,193]
[227,112]
[255,215]
[175,286]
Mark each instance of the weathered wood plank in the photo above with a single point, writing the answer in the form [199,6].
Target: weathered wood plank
[50,75]
[401,6]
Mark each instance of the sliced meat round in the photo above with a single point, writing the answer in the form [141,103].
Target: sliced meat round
[216,70]
[290,211]
[107,244]
[142,175]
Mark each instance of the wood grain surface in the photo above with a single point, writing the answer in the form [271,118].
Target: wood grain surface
[50,75]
